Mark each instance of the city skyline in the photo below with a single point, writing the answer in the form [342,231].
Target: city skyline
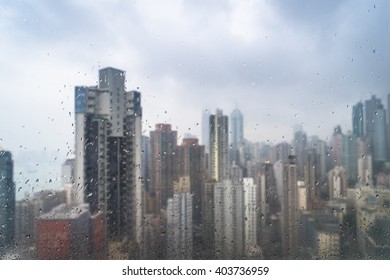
[263,131]
[201,204]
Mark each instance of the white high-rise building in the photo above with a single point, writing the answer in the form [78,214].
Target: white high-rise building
[338,182]
[228,220]
[179,227]
[250,214]
[179,221]
[108,153]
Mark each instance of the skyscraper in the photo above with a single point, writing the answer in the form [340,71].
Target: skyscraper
[357,120]
[219,146]
[236,135]
[376,132]
[108,153]
[7,199]
[350,156]
[370,107]
[379,136]
[300,143]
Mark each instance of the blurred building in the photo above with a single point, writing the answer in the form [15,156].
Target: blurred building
[373,222]
[302,195]
[236,123]
[219,146]
[365,170]
[179,221]
[229,220]
[311,179]
[29,209]
[281,152]
[7,200]
[190,161]
[338,182]
[299,145]
[163,143]
[70,233]
[154,242]
[68,179]
[108,153]
[268,204]
[337,146]
[350,157]
[320,235]
[287,189]
[251,206]
[358,120]
[208,208]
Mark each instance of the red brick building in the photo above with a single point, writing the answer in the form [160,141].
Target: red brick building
[70,233]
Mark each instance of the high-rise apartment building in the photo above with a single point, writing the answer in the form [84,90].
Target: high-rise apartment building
[281,152]
[179,221]
[338,182]
[163,143]
[108,153]
[228,220]
[219,146]
[310,179]
[251,205]
[7,199]
[287,189]
[208,208]
[190,161]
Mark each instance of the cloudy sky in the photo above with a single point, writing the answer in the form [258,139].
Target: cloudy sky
[282,62]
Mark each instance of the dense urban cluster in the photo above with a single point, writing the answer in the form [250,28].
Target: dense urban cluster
[130,196]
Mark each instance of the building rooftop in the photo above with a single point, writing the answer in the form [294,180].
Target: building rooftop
[63,212]
[323,222]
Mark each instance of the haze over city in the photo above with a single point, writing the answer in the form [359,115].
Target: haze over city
[281,63]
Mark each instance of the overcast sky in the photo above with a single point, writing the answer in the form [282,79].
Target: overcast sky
[281,62]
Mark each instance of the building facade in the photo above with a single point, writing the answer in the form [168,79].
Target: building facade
[7,199]
[108,153]
[219,146]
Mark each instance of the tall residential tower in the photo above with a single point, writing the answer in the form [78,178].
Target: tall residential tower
[108,153]
[219,146]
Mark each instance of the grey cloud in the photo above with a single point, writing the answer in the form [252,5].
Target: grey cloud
[298,61]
